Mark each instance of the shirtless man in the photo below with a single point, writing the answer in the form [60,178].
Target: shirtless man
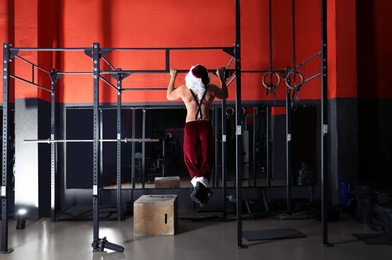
[197,95]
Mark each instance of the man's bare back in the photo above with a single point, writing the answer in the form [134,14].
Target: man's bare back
[197,95]
[183,92]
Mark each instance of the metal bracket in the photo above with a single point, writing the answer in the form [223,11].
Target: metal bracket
[54,75]
[13,53]
[103,53]
[325,129]
[238,130]
[229,51]
[120,75]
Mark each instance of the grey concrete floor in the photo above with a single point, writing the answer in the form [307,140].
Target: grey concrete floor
[206,239]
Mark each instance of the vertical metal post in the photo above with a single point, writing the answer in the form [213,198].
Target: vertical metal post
[238,129]
[133,176]
[270,38]
[53,146]
[288,147]
[163,157]
[101,134]
[96,52]
[224,187]
[118,145]
[216,148]
[268,145]
[167,54]
[268,109]
[144,150]
[324,123]
[255,121]
[119,79]
[288,115]
[4,178]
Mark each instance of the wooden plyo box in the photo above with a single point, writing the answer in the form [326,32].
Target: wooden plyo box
[155,215]
[167,182]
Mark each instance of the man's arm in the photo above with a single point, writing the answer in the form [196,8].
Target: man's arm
[222,93]
[171,93]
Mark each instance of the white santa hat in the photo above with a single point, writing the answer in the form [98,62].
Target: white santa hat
[196,80]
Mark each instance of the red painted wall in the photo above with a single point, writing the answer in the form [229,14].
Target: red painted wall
[342,49]
[172,23]
[374,49]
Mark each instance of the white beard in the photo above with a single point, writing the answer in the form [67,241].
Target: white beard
[195,84]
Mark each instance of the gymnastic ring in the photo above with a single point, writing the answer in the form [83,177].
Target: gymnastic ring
[270,86]
[243,110]
[287,78]
[229,111]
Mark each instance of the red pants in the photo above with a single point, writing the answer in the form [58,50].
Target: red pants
[199,148]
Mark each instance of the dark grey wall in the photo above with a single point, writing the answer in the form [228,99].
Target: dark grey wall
[304,140]
[342,144]
[375,140]
[358,147]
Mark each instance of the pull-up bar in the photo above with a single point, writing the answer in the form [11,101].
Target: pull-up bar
[154,71]
[227,49]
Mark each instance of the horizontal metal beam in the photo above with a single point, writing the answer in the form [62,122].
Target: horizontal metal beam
[162,71]
[49,49]
[30,83]
[154,71]
[124,49]
[144,89]
[125,140]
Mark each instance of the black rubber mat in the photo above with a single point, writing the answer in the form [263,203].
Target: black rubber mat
[85,212]
[269,234]
[373,239]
